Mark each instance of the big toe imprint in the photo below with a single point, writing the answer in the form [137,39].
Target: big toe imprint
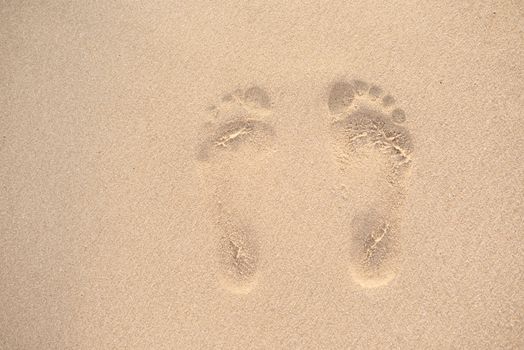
[229,156]
[373,152]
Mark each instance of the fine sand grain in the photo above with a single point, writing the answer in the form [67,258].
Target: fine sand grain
[261,175]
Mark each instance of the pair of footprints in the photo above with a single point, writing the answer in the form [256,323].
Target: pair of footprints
[369,146]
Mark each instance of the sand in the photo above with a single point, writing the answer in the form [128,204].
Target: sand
[261,175]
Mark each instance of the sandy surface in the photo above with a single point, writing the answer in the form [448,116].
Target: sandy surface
[261,175]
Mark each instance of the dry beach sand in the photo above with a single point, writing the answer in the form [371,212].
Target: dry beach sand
[261,175]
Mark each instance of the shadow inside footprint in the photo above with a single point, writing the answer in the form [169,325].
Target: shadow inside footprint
[366,126]
[238,255]
[374,248]
[233,134]
[256,97]
[340,97]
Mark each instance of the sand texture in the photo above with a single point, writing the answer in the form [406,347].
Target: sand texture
[261,175]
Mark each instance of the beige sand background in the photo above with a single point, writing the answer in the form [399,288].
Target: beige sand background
[107,236]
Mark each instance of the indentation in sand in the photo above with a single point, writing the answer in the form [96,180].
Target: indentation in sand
[239,138]
[370,145]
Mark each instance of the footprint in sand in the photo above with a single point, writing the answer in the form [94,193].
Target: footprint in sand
[233,151]
[373,152]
